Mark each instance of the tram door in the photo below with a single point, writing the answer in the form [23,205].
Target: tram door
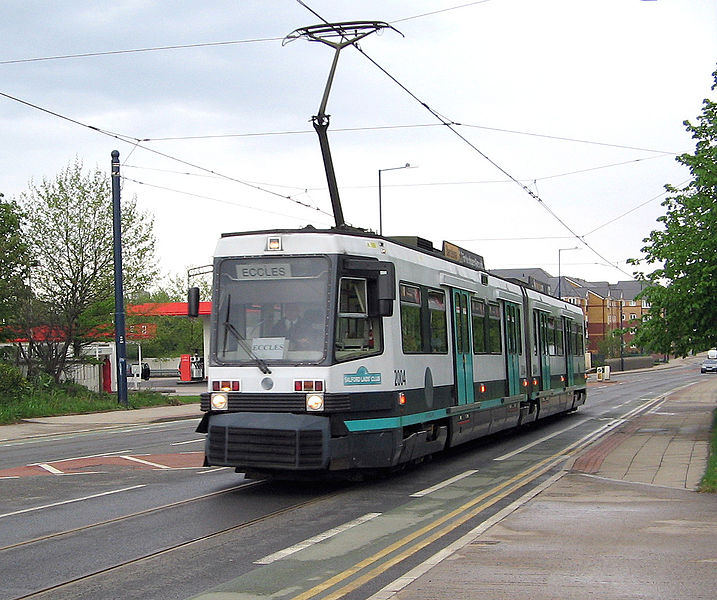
[543,350]
[462,346]
[513,346]
[568,328]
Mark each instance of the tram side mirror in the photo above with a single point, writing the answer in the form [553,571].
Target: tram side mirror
[381,280]
[193,302]
[386,291]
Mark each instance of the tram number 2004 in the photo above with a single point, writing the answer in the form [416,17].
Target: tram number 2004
[399,377]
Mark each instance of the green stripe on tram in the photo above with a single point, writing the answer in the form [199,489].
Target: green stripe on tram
[431,415]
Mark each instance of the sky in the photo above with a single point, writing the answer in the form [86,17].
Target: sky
[565,118]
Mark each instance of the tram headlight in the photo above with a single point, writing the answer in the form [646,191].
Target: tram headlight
[220,401]
[314,402]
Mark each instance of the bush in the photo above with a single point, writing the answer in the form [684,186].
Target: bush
[12,382]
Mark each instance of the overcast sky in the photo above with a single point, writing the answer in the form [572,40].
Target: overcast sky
[582,102]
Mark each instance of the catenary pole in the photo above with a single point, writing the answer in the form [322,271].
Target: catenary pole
[120,343]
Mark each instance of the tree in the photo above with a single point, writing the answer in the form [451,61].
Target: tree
[69,229]
[611,344]
[683,297]
[15,262]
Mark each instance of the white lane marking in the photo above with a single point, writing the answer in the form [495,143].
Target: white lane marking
[27,510]
[540,441]
[213,470]
[443,484]
[397,585]
[49,468]
[315,540]
[649,405]
[38,439]
[57,460]
[145,462]
[187,442]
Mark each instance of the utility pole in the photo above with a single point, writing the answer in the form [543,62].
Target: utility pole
[120,337]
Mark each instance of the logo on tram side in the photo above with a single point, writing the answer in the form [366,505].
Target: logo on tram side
[362,377]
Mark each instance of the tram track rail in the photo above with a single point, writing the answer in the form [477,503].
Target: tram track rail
[161,551]
[129,516]
[351,579]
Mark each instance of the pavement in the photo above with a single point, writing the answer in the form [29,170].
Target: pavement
[621,520]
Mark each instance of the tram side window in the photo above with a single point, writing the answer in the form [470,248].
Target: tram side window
[438,328]
[579,340]
[559,344]
[357,334]
[494,344]
[424,324]
[411,334]
[551,336]
[479,326]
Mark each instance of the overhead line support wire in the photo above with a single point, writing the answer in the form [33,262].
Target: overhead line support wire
[136,142]
[135,50]
[236,204]
[451,125]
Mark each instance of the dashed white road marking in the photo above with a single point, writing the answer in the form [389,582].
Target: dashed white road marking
[145,462]
[188,442]
[315,540]
[50,468]
[540,441]
[443,484]
[27,510]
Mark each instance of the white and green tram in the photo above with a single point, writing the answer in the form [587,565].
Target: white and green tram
[341,351]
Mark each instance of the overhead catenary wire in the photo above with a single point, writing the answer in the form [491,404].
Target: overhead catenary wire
[633,209]
[407,126]
[201,44]
[442,10]
[136,142]
[204,197]
[450,124]
[135,50]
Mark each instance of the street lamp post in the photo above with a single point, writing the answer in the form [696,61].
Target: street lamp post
[559,274]
[380,211]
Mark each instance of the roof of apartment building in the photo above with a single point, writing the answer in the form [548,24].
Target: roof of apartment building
[574,286]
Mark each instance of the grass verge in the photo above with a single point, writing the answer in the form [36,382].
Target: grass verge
[71,399]
[709,481]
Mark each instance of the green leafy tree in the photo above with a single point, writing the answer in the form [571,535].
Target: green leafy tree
[69,227]
[15,264]
[610,345]
[683,299]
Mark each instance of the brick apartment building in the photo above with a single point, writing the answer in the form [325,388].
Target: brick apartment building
[606,306]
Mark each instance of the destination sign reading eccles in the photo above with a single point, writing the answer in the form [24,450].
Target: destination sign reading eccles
[265,271]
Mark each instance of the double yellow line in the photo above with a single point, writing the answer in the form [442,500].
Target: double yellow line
[450,521]
[447,523]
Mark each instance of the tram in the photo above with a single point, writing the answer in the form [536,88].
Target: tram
[344,351]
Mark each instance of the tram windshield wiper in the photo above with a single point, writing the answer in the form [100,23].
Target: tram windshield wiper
[243,342]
